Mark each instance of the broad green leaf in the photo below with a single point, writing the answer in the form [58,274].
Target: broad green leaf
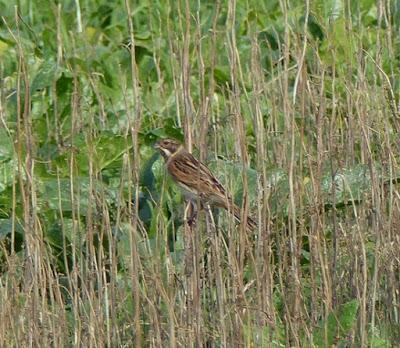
[147,179]
[6,227]
[337,325]
[6,145]
[103,151]
[45,76]
[62,195]
[348,184]
[3,48]
[230,174]
[336,9]
[379,337]
[7,172]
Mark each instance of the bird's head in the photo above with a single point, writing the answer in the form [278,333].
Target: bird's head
[167,147]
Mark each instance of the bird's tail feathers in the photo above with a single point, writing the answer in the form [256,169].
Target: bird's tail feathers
[237,212]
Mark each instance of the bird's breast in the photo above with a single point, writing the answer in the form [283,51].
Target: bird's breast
[189,193]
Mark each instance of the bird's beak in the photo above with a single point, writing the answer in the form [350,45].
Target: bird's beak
[156,145]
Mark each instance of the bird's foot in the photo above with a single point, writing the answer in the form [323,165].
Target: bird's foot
[192,218]
[192,221]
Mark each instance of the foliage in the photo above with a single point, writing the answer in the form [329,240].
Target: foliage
[295,107]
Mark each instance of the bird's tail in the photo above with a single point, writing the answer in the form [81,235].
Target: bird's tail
[251,224]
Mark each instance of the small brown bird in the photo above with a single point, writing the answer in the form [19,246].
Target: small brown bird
[196,180]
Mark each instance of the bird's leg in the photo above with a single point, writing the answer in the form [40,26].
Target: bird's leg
[210,216]
[193,212]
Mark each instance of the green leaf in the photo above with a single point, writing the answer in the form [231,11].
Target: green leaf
[379,336]
[147,178]
[109,148]
[337,325]
[348,184]
[315,28]
[231,177]
[45,76]
[3,48]
[104,151]
[56,194]
[71,230]
[6,228]
[6,145]
[7,170]
[221,76]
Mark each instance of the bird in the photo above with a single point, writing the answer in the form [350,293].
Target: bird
[196,181]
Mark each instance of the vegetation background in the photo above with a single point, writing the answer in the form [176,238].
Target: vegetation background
[295,107]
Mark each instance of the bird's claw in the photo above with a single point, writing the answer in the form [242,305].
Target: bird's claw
[192,221]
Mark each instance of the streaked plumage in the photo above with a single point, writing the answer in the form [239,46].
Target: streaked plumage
[195,179]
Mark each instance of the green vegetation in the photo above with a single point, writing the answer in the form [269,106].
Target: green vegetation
[293,104]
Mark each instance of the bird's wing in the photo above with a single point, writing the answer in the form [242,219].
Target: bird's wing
[194,175]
